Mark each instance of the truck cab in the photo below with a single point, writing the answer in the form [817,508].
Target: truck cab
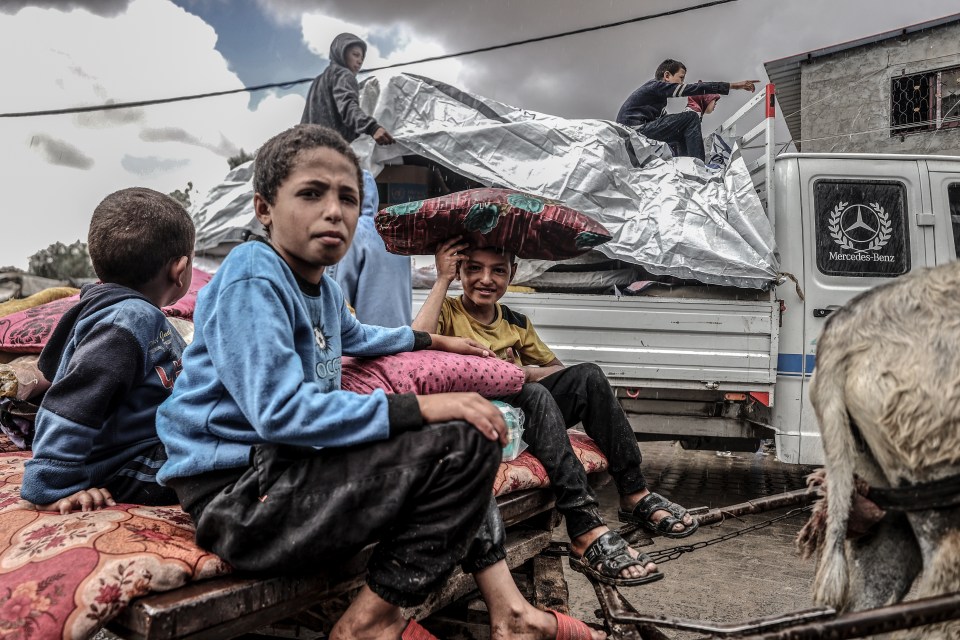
[844,224]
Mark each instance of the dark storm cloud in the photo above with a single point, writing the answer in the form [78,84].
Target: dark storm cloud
[60,152]
[105,8]
[150,165]
[590,74]
[224,148]
[110,118]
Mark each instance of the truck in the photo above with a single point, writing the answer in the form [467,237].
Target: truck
[726,368]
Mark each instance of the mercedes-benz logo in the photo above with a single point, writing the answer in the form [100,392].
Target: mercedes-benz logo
[860,227]
[853,225]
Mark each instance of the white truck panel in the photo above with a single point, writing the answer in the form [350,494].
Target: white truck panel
[664,342]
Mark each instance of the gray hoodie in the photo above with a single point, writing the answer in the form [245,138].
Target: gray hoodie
[333,100]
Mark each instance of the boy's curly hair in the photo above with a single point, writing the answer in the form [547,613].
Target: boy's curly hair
[276,158]
[136,232]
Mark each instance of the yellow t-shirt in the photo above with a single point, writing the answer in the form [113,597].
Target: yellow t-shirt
[510,330]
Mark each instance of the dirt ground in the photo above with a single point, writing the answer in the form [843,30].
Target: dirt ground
[749,576]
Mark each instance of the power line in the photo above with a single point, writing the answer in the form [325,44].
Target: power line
[287,85]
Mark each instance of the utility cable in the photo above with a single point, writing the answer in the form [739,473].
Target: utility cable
[287,85]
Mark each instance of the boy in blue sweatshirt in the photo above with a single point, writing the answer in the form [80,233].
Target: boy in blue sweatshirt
[281,470]
[112,360]
[645,110]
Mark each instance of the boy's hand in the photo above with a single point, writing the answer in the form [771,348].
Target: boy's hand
[746,85]
[382,136]
[471,407]
[83,500]
[463,346]
[448,259]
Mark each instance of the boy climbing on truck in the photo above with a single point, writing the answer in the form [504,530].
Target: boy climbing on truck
[645,110]
[554,398]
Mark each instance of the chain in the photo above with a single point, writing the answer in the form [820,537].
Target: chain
[665,555]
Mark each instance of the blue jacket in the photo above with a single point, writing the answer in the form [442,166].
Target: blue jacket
[375,282]
[112,360]
[649,101]
[264,367]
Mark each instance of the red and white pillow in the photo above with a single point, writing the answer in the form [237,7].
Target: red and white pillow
[526,225]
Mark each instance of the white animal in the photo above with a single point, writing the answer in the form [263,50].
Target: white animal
[886,391]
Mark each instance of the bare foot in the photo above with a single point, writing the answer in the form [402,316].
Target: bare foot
[511,616]
[580,544]
[529,623]
[629,502]
[369,618]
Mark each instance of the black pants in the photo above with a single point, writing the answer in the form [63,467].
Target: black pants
[423,496]
[680,129]
[575,394]
[136,481]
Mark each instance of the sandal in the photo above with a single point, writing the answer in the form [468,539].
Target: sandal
[570,628]
[606,557]
[655,502]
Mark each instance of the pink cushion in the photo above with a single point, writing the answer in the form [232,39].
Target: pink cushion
[426,372]
[27,331]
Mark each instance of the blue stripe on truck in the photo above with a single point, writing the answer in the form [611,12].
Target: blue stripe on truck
[795,365]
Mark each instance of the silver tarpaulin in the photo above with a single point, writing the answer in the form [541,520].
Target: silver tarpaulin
[672,216]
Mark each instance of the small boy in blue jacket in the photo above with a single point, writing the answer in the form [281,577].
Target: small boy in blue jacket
[112,360]
[285,473]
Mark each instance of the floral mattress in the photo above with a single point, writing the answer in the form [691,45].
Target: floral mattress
[65,576]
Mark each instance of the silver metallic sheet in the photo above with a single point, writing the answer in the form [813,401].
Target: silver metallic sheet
[225,218]
[673,216]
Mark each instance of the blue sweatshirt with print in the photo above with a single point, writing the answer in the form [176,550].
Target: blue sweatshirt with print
[264,367]
[112,360]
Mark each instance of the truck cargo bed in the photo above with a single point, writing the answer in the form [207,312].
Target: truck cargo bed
[644,342]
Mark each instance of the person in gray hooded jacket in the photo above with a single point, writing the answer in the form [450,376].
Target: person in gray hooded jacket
[334,97]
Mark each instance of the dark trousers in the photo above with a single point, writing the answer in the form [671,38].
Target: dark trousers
[679,129]
[422,495]
[581,394]
[136,481]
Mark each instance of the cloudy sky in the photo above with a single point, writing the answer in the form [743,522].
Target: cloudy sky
[68,53]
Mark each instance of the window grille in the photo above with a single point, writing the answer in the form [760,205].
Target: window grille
[925,101]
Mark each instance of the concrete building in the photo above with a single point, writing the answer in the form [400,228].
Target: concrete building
[895,92]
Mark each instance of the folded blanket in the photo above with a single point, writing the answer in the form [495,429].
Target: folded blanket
[27,331]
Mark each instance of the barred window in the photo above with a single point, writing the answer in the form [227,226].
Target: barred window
[925,101]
